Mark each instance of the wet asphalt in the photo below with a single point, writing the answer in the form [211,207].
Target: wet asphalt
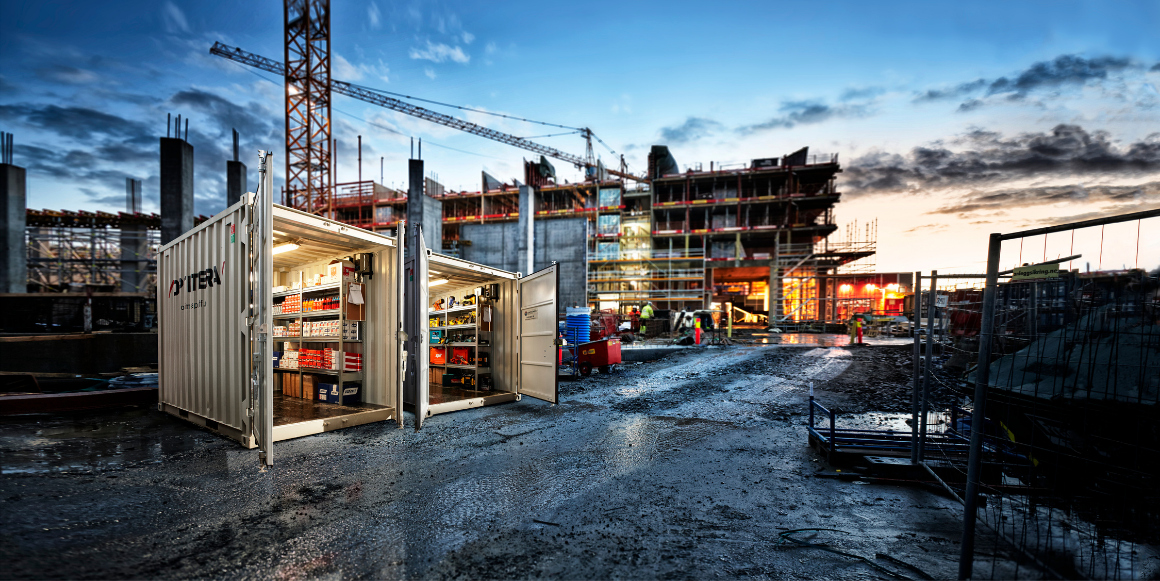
[685,467]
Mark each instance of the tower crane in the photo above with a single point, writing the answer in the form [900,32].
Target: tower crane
[378,98]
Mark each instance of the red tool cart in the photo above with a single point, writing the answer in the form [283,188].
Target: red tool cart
[604,354]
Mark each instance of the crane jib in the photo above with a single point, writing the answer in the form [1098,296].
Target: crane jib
[370,96]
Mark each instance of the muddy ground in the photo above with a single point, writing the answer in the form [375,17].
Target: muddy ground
[686,467]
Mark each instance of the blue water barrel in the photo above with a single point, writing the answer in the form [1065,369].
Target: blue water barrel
[578,325]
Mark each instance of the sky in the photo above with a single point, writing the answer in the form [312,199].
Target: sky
[950,120]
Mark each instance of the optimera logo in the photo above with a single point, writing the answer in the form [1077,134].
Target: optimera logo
[191,283]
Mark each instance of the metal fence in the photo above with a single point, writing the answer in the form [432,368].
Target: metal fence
[1050,368]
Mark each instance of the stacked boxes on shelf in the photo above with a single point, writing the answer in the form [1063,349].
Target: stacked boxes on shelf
[350,331]
[320,328]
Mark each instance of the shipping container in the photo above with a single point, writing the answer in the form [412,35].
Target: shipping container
[496,329]
[261,283]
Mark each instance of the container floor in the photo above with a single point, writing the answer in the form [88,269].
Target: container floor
[292,410]
[447,393]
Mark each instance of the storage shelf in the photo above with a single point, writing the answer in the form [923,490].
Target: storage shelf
[467,326]
[454,345]
[309,289]
[462,309]
[330,339]
[350,374]
[453,366]
[310,314]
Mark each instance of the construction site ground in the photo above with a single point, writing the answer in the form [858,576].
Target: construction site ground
[689,466]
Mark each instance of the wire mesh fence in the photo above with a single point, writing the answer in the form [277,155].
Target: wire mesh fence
[1052,373]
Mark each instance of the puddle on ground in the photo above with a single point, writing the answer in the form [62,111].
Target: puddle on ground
[80,441]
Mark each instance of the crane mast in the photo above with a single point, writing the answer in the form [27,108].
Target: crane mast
[376,98]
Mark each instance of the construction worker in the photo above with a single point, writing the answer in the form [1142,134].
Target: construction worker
[858,325]
[646,313]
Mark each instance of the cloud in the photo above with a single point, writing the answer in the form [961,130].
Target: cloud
[430,72]
[796,113]
[250,120]
[345,71]
[1138,197]
[854,93]
[1155,67]
[173,18]
[75,122]
[955,92]
[468,38]
[439,53]
[1061,71]
[374,17]
[692,129]
[491,48]
[67,74]
[986,159]
[1064,69]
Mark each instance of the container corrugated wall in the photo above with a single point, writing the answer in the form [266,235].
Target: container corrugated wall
[202,307]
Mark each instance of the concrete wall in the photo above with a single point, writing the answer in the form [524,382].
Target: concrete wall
[13,217]
[560,240]
[176,188]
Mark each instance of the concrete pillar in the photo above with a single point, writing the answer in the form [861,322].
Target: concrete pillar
[235,182]
[133,257]
[176,188]
[423,209]
[13,250]
[527,241]
[775,303]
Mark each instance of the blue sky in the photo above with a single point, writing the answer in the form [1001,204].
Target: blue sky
[951,120]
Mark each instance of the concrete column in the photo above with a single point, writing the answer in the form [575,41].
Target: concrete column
[775,303]
[527,232]
[13,249]
[133,258]
[176,188]
[235,182]
[423,209]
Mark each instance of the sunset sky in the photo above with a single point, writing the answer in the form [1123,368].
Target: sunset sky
[951,120]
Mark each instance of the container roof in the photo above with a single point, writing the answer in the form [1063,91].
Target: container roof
[318,238]
[458,271]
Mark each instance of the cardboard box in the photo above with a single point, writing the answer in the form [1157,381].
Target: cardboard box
[351,393]
[291,385]
[309,386]
[352,311]
[343,270]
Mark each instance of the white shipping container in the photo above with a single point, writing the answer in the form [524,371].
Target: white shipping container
[216,317]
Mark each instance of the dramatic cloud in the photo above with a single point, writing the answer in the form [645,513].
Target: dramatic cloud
[67,74]
[1063,70]
[439,53]
[1002,200]
[987,158]
[1155,67]
[252,120]
[805,113]
[75,122]
[692,129]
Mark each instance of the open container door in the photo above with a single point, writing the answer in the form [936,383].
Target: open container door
[416,297]
[538,362]
[261,321]
[401,314]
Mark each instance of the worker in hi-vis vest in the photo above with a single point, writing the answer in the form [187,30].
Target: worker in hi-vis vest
[646,313]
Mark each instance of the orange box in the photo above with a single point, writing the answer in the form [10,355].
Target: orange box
[438,356]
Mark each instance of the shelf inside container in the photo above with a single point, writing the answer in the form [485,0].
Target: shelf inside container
[467,326]
[309,289]
[310,314]
[328,339]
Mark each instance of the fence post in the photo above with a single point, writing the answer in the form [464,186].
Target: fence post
[917,356]
[931,299]
[978,417]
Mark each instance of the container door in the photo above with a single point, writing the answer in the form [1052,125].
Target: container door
[261,316]
[400,318]
[536,335]
[416,297]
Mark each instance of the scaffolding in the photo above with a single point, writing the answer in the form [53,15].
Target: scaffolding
[92,251]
